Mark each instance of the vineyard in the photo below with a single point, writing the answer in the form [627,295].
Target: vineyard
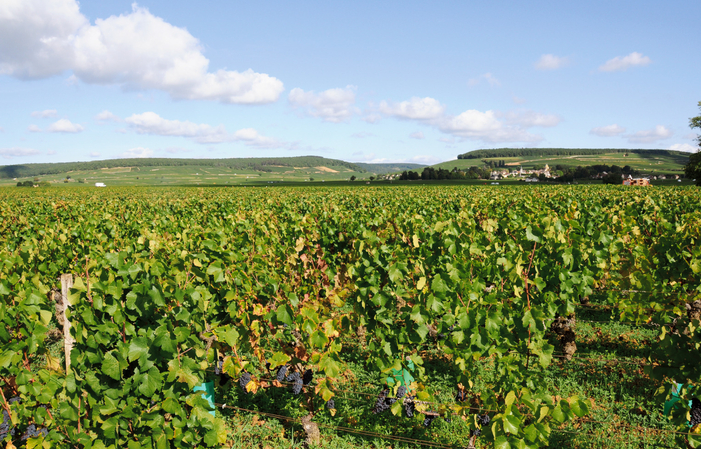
[448,317]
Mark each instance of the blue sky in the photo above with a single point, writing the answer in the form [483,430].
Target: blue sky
[360,81]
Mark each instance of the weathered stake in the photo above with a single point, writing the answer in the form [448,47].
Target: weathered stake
[68,341]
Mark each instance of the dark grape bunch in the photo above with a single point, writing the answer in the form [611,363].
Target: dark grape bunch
[307,377]
[409,407]
[33,432]
[7,421]
[461,396]
[281,373]
[695,412]
[243,381]
[401,391]
[483,420]
[219,371]
[382,402]
[330,404]
[297,380]
[475,433]
[429,419]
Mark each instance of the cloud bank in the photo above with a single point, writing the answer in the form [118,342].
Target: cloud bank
[152,123]
[332,105]
[43,38]
[551,62]
[489,126]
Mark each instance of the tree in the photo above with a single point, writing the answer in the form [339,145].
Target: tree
[692,170]
[352,178]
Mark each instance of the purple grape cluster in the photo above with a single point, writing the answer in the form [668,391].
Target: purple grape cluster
[297,382]
[33,432]
[401,391]
[244,380]
[281,373]
[695,412]
[429,419]
[475,433]
[461,396]
[330,404]
[483,420]
[382,403]
[409,406]
[307,377]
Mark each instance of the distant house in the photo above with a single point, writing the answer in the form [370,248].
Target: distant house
[629,181]
[100,184]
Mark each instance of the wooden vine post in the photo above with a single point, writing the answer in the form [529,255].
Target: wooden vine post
[68,341]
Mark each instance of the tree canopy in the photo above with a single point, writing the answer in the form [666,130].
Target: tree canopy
[693,168]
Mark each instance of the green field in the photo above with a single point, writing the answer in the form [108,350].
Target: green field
[458,286]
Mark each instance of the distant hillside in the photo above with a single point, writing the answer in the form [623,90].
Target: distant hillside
[531,152]
[256,164]
[388,168]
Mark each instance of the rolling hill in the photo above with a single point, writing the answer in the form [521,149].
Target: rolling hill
[646,161]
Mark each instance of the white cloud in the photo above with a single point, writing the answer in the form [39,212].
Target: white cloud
[417,135]
[361,135]
[608,131]
[42,38]
[33,128]
[415,109]
[51,152]
[8,153]
[621,63]
[488,77]
[138,152]
[64,126]
[551,62]
[650,136]
[684,147]
[47,113]
[518,100]
[252,138]
[107,116]
[95,154]
[332,105]
[447,140]
[489,126]
[423,159]
[152,123]
[485,126]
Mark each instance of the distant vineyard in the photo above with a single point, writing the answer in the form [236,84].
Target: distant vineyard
[529,152]
[173,287]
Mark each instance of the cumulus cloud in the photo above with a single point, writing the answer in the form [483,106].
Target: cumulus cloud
[9,153]
[47,113]
[107,116]
[608,131]
[417,135]
[489,126]
[332,105]
[488,77]
[64,126]
[42,38]
[138,152]
[252,138]
[425,109]
[684,147]
[152,123]
[649,136]
[33,128]
[551,62]
[621,63]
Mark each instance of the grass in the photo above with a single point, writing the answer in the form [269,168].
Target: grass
[607,369]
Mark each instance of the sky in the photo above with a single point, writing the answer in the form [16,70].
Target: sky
[361,81]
